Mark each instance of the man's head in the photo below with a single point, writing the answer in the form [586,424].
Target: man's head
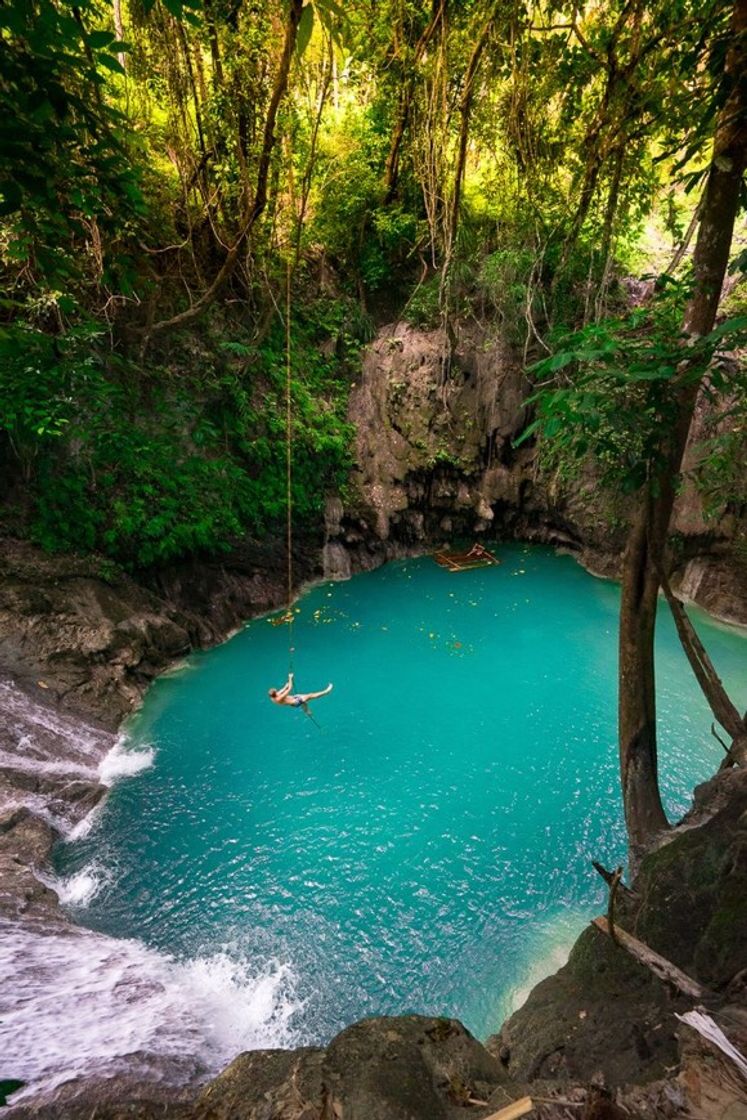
[273,692]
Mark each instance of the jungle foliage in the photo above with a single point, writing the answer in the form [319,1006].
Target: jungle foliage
[167,166]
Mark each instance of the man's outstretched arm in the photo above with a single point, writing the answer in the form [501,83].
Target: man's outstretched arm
[283,692]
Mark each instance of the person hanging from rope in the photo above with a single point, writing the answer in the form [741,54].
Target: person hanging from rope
[285,698]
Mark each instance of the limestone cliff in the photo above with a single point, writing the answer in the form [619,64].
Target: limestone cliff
[436,459]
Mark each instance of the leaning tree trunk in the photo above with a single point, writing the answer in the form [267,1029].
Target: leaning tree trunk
[710,683]
[645,553]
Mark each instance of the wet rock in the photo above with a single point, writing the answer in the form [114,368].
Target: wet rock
[437,456]
[336,561]
[602,1011]
[115,1098]
[79,634]
[425,442]
[75,639]
[25,844]
[693,889]
[718,584]
[266,1085]
[391,1068]
[406,1068]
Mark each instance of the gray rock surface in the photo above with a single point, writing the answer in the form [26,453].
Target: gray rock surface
[80,633]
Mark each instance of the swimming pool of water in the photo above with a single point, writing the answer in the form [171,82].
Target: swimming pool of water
[425,845]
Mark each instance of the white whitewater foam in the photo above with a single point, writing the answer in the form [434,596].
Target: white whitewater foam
[48,767]
[45,735]
[54,747]
[240,1007]
[78,1004]
[78,889]
[38,805]
[82,827]
[123,763]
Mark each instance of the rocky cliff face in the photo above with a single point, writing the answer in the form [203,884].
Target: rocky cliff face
[436,460]
[76,632]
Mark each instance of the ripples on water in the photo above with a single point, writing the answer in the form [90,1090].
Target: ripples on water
[426,848]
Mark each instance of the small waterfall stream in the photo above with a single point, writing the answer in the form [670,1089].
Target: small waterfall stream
[75,1003]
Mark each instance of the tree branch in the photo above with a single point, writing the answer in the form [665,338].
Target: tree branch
[260,194]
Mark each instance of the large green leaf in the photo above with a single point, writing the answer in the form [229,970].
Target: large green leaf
[99,39]
[305,27]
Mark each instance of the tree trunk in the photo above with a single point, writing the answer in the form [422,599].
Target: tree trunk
[644,813]
[256,208]
[711,684]
[407,88]
[645,552]
[451,224]
[119,31]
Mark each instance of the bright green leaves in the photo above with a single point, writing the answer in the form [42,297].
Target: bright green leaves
[335,21]
[332,18]
[43,382]
[109,62]
[98,39]
[179,9]
[611,391]
[146,466]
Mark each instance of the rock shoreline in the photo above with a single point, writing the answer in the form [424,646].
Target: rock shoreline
[438,458]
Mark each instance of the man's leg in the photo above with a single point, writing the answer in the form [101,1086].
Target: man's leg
[306,696]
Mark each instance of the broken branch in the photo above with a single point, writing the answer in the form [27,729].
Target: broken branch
[654,962]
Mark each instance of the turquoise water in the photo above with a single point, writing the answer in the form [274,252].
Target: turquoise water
[426,847]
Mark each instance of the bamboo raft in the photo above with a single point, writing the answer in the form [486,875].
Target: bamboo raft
[476,557]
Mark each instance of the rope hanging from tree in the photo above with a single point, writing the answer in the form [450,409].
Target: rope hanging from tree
[289,463]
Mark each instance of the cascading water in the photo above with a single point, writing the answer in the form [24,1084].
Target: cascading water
[74,1003]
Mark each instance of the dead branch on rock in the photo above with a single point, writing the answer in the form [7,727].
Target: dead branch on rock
[513,1111]
[654,962]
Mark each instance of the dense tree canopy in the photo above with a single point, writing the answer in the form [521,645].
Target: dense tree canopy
[168,165]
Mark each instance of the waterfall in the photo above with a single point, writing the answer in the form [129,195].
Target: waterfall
[75,1003]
